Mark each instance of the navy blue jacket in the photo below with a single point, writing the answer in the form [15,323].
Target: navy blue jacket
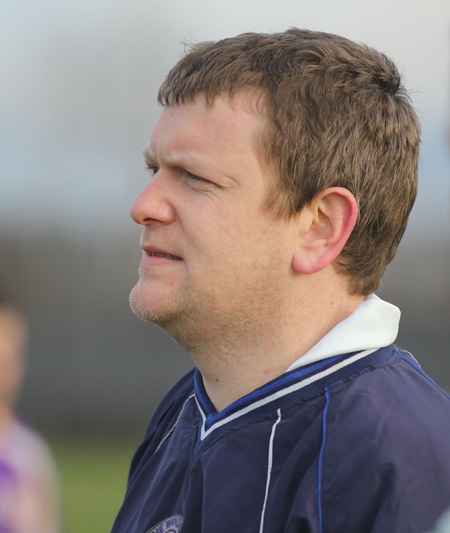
[355,443]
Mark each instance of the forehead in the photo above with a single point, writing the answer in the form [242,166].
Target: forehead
[228,126]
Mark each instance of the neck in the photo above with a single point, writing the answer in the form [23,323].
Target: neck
[235,364]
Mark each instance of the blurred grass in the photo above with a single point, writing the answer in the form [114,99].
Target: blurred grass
[93,474]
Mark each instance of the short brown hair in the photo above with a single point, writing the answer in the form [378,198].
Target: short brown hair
[337,115]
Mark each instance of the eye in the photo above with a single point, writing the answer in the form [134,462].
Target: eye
[195,178]
[152,169]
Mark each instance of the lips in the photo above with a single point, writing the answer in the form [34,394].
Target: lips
[168,256]
[152,251]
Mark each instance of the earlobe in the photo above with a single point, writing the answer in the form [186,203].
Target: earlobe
[326,224]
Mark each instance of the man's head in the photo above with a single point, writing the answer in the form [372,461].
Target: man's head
[336,116]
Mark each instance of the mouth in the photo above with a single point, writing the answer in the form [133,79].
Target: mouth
[155,255]
[163,254]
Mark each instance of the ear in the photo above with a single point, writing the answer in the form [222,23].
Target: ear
[325,226]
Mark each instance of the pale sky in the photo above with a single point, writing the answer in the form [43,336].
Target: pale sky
[79,79]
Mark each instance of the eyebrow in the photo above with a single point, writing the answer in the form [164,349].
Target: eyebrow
[147,155]
[175,160]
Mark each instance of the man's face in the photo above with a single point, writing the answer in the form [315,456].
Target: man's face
[214,257]
[12,355]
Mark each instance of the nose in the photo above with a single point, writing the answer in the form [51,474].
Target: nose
[153,204]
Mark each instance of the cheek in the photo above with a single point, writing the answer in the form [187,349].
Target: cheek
[222,235]
[241,225]
[218,229]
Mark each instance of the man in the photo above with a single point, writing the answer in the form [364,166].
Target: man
[29,491]
[283,170]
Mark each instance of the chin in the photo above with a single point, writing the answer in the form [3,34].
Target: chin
[146,308]
[139,303]
[172,320]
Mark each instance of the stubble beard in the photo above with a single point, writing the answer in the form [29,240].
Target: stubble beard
[186,319]
[142,308]
[175,319]
[192,318]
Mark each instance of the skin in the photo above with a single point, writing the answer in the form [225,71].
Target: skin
[244,292]
[12,355]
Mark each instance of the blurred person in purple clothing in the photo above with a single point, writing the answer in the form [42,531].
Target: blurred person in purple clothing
[29,492]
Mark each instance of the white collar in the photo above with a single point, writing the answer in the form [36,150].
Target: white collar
[373,325]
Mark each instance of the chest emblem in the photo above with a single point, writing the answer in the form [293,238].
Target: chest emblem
[169,525]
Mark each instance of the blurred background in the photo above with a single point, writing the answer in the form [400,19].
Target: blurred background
[77,104]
